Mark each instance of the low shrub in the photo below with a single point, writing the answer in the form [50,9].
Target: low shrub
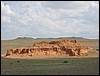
[11,63]
[17,61]
[65,61]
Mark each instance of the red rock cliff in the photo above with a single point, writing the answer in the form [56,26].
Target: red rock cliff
[54,48]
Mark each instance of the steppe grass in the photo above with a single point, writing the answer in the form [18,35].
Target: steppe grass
[75,66]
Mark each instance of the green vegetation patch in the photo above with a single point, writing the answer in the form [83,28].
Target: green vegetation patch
[74,66]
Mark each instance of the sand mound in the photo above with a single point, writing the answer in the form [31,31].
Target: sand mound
[54,48]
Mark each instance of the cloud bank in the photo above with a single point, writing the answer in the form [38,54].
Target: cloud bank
[49,19]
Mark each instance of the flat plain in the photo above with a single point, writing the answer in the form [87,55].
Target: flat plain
[50,66]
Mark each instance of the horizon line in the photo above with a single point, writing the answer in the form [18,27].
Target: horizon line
[51,37]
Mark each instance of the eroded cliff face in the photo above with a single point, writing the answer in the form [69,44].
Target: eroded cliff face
[54,48]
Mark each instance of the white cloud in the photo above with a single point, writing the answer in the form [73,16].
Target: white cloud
[70,7]
[5,19]
[6,13]
[25,20]
[6,10]
[51,18]
[67,4]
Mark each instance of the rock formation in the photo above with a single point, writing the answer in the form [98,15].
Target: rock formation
[54,48]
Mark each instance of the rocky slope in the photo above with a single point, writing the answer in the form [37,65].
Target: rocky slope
[54,48]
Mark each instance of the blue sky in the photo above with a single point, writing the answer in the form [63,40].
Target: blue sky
[49,19]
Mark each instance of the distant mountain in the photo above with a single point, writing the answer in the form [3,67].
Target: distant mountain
[72,37]
[77,38]
[59,38]
[24,38]
[51,38]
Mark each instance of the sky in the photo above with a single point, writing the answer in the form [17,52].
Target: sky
[46,19]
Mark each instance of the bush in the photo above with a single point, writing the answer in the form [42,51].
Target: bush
[11,63]
[17,61]
[65,62]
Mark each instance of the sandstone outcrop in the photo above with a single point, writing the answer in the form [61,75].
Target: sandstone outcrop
[54,48]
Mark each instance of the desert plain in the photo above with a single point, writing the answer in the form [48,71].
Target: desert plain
[54,65]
